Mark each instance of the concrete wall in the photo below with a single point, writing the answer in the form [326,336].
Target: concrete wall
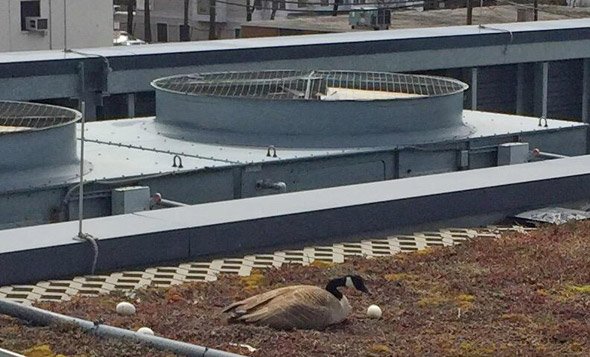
[89,24]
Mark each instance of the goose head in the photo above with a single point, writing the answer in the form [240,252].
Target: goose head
[350,281]
[355,281]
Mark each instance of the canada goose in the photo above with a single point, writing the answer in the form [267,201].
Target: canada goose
[297,307]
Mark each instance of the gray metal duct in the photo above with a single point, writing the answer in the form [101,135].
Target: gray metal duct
[34,135]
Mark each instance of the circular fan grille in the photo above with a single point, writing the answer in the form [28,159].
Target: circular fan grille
[21,116]
[310,85]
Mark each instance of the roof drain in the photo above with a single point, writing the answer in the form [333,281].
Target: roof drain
[44,317]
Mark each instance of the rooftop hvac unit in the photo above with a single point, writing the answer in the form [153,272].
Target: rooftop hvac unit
[38,142]
[375,18]
[38,24]
[304,109]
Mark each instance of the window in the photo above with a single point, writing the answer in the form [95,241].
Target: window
[162,32]
[324,2]
[203,7]
[28,9]
[301,3]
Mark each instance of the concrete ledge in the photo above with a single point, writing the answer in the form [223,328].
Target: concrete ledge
[49,251]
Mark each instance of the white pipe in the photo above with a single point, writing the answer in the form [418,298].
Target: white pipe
[44,317]
[547,155]
[6,353]
[474,88]
[81,190]
[158,200]
[50,17]
[65,27]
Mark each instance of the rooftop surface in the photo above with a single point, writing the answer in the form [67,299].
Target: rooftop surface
[516,294]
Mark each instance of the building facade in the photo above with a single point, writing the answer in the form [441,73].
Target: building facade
[167,16]
[27,25]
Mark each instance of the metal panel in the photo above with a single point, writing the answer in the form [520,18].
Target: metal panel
[16,209]
[313,174]
[567,142]
[417,163]
[497,89]
[565,90]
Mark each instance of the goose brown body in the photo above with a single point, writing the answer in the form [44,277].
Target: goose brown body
[292,307]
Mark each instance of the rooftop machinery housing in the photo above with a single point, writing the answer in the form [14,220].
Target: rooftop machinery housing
[401,146]
[227,135]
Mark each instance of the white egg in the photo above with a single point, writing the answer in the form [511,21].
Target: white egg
[125,308]
[145,331]
[374,312]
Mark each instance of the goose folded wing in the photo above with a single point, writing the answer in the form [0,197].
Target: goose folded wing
[252,303]
[300,309]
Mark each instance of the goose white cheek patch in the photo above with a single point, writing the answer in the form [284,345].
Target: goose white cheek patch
[349,283]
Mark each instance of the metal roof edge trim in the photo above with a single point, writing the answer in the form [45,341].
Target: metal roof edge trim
[211,214]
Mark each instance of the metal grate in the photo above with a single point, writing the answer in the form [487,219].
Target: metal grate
[22,116]
[308,85]
[61,290]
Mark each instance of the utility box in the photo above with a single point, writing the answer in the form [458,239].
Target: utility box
[513,153]
[130,199]
[372,17]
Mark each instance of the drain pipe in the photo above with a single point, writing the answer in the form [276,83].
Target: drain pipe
[158,200]
[44,317]
[547,155]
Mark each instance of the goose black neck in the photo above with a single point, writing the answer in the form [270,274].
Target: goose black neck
[333,286]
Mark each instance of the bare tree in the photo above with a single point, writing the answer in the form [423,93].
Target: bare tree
[185,29]
[249,10]
[212,19]
[147,21]
[335,9]
[274,8]
[130,8]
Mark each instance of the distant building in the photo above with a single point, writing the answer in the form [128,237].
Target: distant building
[27,25]
[167,16]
